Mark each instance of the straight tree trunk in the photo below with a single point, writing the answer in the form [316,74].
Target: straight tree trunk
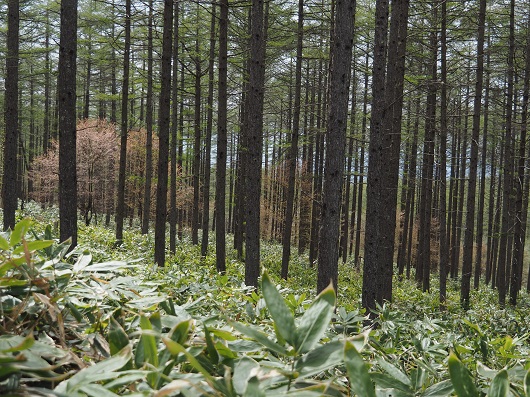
[293,149]
[173,211]
[520,227]
[220,187]
[255,142]
[9,179]
[66,90]
[339,85]
[444,246]
[423,264]
[196,145]
[385,139]
[146,215]
[482,194]
[208,138]
[120,206]
[467,260]
[508,167]
[163,135]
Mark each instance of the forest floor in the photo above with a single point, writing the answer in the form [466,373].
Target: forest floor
[103,320]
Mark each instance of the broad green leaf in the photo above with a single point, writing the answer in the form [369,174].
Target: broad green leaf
[385,380]
[527,384]
[20,230]
[210,347]
[101,371]
[393,393]
[146,351]
[253,389]
[360,381]
[440,389]
[281,314]
[394,372]
[500,387]
[461,378]
[5,267]
[260,337]
[244,370]
[33,246]
[26,343]
[82,262]
[320,359]
[315,321]
[4,245]
[180,332]
[118,338]
[95,390]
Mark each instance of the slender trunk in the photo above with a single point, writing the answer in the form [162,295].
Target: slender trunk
[208,138]
[66,90]
[120,206]
[163,135]
[293,150]
[149,126]
[9,179]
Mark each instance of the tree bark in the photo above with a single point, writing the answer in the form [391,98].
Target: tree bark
[120,205]
[163,135]
[255,143]
[66,90]
[385,139]
[293,149]
[339,86]
[9,179]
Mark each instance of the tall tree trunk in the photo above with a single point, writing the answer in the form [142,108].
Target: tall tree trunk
[66,90]
[444,246]
[163,135]
[482,194]
[47,84]
[120,205]
[339,85]
[423,264]
[520,207]
[508,167]
[9,179]
[196,144]
[208,138]
[173,212]
[467,260]
[293,149]
[146,215]
[385,139]
[255,143]
[222,111]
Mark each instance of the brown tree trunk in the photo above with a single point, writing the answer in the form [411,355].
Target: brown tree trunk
[66,91]
[293,149]
[120,206]
[9,179]
[339,85]
[467,260]
[385,139]
[163,135]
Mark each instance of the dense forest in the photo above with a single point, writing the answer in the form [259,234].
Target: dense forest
[386,136]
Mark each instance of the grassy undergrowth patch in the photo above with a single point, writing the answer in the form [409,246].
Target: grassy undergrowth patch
[104,321]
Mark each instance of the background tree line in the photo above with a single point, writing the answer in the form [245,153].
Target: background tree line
[362,133]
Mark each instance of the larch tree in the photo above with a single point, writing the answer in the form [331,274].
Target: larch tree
[66,92]
[254,135]
[467,260]
[339,86]
[220,183]
[384,146]
[293,149]
[9,180]
[124,128]
[146,215]
[163,135]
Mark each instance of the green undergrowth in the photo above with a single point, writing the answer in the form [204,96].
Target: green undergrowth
[102,321]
